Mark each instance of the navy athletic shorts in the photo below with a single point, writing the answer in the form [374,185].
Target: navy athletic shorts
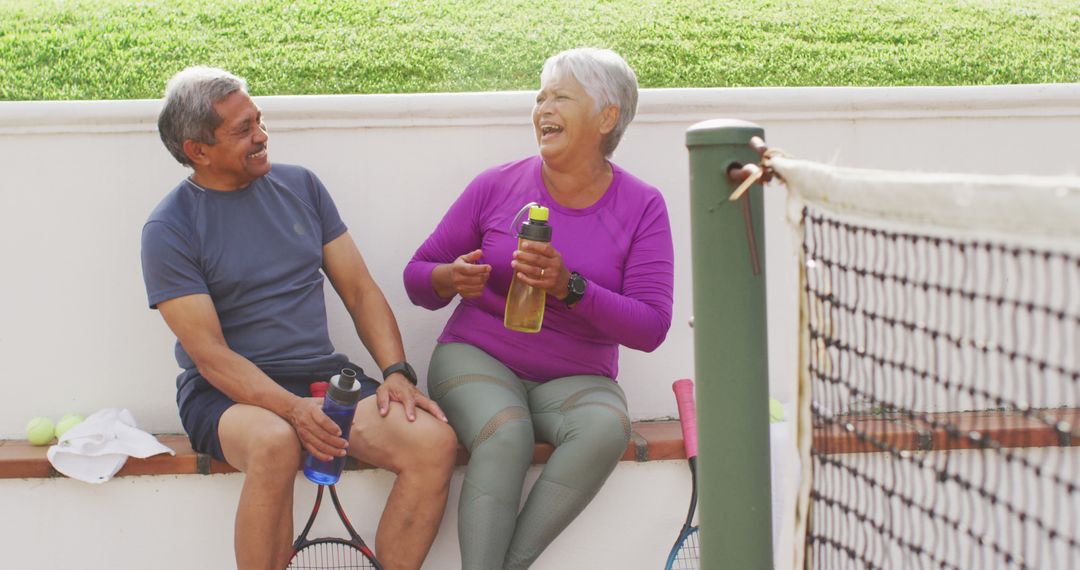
[202,406]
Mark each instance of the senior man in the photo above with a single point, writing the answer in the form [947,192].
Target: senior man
[233,259]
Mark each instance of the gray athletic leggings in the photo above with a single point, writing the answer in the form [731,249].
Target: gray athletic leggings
[499,417]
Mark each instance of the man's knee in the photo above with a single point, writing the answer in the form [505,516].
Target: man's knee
[422,446]
[274,450]
[257,440]
[436,443]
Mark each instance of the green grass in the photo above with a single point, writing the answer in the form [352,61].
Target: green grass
[112,49]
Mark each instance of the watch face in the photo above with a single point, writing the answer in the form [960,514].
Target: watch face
[576,284]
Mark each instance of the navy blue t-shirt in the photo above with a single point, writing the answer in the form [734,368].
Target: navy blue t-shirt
[258,253]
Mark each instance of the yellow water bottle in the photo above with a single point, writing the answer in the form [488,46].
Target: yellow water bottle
[525,303]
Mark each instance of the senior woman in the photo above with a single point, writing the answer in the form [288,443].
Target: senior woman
[608,273]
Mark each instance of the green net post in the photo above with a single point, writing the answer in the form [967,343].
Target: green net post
[730,354]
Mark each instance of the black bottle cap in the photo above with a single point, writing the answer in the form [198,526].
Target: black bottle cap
[535,230]
[344,389]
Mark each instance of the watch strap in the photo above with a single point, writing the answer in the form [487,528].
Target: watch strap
[575,289]
[404,368]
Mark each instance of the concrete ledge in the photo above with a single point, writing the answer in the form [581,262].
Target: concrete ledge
[662,440]
[649,441]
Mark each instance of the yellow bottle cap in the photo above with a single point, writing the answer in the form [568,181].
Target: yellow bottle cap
[538,213]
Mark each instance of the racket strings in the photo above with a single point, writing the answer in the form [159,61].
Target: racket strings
[688,555]
[331,556]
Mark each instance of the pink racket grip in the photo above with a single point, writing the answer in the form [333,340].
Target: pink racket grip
[684,397]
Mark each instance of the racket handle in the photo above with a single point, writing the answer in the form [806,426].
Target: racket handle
[684,397]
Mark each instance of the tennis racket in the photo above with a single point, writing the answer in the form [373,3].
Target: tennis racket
[686,553]
[326,553]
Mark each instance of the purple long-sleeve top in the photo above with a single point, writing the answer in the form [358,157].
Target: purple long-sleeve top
[621,245]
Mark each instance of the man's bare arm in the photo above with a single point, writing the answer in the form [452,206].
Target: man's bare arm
[194,321]
[374,323]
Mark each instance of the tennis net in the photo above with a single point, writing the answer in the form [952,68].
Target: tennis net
[940,368]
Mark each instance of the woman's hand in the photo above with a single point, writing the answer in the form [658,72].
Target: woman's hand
[540,265]
[463,277]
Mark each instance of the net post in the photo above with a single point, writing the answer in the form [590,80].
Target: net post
[730,355]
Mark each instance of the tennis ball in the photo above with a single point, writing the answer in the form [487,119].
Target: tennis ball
[776,411]
[39,431]
[67,422]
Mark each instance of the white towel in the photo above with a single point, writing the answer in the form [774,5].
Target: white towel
[95,449]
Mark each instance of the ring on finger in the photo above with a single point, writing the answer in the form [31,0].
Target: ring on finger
[541,272]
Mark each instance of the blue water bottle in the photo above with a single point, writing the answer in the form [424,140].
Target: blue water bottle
[340,404]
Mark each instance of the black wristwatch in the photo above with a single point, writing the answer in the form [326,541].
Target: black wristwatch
[403,367]
[575,288]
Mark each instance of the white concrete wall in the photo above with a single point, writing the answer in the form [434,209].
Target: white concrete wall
[79,179]
[186,522]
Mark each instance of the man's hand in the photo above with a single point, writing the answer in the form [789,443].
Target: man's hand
[397,388]
[319,435]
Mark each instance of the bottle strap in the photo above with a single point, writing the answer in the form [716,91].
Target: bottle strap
[514,222]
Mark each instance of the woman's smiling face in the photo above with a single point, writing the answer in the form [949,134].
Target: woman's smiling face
[566,121]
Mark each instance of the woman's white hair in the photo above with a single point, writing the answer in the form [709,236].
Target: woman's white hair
[188,113]
[606,77]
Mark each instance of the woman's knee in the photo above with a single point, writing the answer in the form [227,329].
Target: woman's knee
[508,434]
[498,461]
[603,429]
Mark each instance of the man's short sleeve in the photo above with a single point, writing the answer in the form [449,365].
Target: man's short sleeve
[170,266]
[332,224]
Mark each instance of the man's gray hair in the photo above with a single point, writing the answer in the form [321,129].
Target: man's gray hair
[606,77]
[189,112]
